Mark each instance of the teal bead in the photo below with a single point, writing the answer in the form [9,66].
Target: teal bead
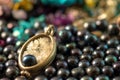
[24,24]
[17,31]
[41,18]
[59,2]
[16,1]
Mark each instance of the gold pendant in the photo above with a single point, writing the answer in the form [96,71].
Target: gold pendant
[42,47]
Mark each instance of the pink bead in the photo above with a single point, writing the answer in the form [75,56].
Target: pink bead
[2,43]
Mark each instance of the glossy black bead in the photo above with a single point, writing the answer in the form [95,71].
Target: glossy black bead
[8,49]
[110,59]
[102,24]
[88,50]
[62,49]
[116,78]
[40,77]
[76,52]
[98,54]
[102,47]
[72,29]
[93,71]
[29,60]
[4,35]
[98,62]
[104,37]
[112,43]
[56,78]
[102,77]
[11,63]
[12,71]
[65,36]
[86,78]
[70,46]
[71,78]
[86,57]
[81,34]
[112,51]
[50,71]
[20,78]
[61,64]
[72,61]
[77,72]
[11,40]
[90,26]
[91,40]
[63,72]
[60,57]
[108,70]
[84,63]
[113,29]
[116,67]
[13,56]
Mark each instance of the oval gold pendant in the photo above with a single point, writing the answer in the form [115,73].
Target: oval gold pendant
[42,47]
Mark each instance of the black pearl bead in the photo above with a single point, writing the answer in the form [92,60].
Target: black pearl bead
[77,72]
[29,32]
[90,26]
[62,49]
[118,48]
[29,60]
[71,78]
[11,40]
[112,51]
[86,78]
[8,49]
[60,57]
[84,64]
[81,34]
[102,24]
[70,46]
[20,78]
[104,37]
[98,54]
[102,47]
[12,71]
[13,56]
[88,50]
[116,78]
[72,61]
[56,78]
[91,40]
[98,62]
[40,77]
[50,71]
[108,70]
[63,72]
[112,43]
[92,71]
[113,29]
[72,29]
[76,52]
[65,36]
[11,63]
[102,77]
[110,59]
[116,66]
[61,64]
[85,57]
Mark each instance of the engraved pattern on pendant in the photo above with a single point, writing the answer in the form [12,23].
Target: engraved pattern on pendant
[40,48]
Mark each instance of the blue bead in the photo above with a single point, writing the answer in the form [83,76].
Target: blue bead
[29,60]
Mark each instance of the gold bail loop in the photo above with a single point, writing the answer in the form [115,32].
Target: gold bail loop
[49,30]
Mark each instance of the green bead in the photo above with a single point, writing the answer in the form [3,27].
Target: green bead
[24,24]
